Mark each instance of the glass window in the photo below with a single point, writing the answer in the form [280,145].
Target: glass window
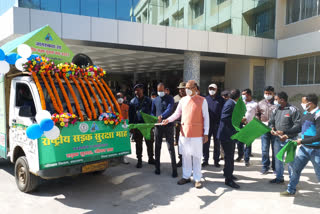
[107,9]
[34,4]
[70,6]
[293,11]
[90,8]
[220,1]
[24,98]
[290,72]
[124,10]
[308,8]
[198,8]
[311,70]
[264,22]
[165,3]
[317,70]
[303,71]
[51,5]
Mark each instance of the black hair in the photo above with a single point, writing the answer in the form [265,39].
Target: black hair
[248,91]
[234,94]
[313,98]
[283,95]
[225,93]
[153,93]
[160,84]
[269,88]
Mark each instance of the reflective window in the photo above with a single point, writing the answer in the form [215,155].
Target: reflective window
[51,5]
[70,6]
[290,72]
[34,4]
[301,9]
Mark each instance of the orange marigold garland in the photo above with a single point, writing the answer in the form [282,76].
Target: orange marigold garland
[100,94]
[112,97]
[43,102]
[55,92]
[84,100]
[53,99]
[105,93]
[74,97]
[64,93]
[94,95]
[88,98]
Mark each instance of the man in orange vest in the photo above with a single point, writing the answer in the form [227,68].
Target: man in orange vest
[194,113]
[123,107]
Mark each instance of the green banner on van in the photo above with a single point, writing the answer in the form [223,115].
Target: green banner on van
[84,142]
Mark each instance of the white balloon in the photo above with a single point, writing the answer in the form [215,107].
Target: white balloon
[53,134]
[19,64]
[24,51]
[4,67]
[43,114]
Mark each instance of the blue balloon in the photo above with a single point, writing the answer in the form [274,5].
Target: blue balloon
[46,124]
[18,57]
[33,56]
[2,55]
[11,58]
[34,131]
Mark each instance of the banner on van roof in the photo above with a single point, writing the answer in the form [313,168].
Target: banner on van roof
[43,41]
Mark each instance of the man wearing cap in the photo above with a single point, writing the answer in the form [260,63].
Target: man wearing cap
[177,98]
[137,104]
[193,110]
[215,104]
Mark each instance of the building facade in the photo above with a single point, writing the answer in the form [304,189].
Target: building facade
[235,43]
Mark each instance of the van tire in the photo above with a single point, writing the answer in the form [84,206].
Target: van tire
[25,180]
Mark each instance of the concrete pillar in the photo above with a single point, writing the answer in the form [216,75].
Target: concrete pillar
[191,69]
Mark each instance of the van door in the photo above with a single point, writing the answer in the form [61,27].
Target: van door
[3,119]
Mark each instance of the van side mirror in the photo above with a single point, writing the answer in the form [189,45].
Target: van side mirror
[25,111]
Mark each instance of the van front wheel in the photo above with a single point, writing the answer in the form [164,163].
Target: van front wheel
[26,181]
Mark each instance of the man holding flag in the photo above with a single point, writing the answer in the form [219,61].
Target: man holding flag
[310,143]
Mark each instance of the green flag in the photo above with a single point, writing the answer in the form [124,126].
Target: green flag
[144,128]
[147,118]
[251,131]
[238,113]
[290,150]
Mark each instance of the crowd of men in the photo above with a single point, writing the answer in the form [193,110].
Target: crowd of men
[190,120]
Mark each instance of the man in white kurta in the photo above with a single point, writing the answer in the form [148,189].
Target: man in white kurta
[193,110]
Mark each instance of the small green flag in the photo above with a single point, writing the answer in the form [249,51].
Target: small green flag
[290,150]
[144,128]
[254,129]
[147,118]
[238,113]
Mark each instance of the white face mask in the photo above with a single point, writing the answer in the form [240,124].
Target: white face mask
[268,97]
[244,97]
[304,106]
[120,100]
[188,92]
[161,93]
[212,92]
[276,102]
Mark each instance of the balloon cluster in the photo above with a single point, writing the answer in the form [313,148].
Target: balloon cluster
[64,119]
[18,59]
[43,64]
[110,118]
[45,126]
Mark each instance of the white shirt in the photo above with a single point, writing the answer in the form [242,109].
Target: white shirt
[205,113]
[251,110]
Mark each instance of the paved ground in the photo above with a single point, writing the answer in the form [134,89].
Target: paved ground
[125,189]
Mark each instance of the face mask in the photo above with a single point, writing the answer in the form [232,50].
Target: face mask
[161,93]
[268,97]
[276,103]
[188,92]
[212,92]
[244,97]
[120,100]
[304,106]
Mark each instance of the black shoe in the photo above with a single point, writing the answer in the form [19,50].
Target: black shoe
[232,184]
[157,171]
[152,161]
[247,164]
[205,163]
[221,158]
[251,155]
[174,173]
[183,181]
[217,165]
[277,181]
[238,159]
[232,177]
[264,172]
[139,164]
[179,164]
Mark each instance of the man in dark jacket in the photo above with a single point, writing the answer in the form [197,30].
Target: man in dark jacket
[137,104]
[310,143]
[225,131]
[162,107]
[284,121]
[215,104]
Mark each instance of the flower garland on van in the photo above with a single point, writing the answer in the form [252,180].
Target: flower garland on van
[64,119]
[110,118]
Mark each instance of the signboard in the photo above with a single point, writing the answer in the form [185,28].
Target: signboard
[84,142]
[3,129]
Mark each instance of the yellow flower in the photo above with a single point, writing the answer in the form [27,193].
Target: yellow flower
[62,124]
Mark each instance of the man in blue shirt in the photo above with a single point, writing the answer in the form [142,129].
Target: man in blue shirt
[162,107]
[137,104]
[215,104]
